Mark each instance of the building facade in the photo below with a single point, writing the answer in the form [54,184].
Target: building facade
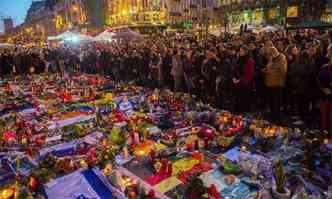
[184,14]
[8,24]
[281,12]
[48,18]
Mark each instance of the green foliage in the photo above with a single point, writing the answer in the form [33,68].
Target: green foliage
[196,187]
[230,168]
[117,136]
[48,162]
[78,131]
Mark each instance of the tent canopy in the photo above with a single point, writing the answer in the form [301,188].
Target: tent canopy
[310,24]
[127,34]
[70,36]
[7,45]
[107,35]
[269,29]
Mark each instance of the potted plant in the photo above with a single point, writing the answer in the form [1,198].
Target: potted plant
[195,188]
[279,190]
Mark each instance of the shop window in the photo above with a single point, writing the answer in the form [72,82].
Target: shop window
[272,13]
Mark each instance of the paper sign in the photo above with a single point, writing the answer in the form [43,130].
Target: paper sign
[167,185]
[53,138]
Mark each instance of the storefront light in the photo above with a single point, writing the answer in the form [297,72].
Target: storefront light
[292,11]
[75,8]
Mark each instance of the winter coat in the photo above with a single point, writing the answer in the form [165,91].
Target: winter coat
[324,80]
[209,69]
[295,72]
[276,72]
[177,67]
[300,73]
[248,72]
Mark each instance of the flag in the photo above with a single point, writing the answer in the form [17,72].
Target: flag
[82,184]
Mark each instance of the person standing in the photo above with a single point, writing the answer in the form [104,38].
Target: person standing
[167,66]
[209,69]
[307,84]
[115,66]
[293,78]
[104,61]
[155,65]
[188,65]
[325,81]
[243,80]
[177,70]
[144,65]
[275,79]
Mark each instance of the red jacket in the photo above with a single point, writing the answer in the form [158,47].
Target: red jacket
[247,76]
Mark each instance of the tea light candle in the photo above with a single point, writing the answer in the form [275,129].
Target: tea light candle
[141,153]
[243,148]
[326,141]
[7,193]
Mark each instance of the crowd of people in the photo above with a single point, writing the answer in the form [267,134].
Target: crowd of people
[279,73]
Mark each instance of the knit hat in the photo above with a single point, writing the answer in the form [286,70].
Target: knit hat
[272,51]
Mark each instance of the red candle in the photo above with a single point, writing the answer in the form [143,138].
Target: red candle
[189,146]
[152,155]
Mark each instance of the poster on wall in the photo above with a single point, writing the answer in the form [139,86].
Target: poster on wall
[292,11]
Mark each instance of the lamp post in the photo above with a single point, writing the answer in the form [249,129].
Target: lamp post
[284,6]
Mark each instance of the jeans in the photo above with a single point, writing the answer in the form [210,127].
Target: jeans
[242,99]
[178,84]
[189,84]
[326,114]
[274,96]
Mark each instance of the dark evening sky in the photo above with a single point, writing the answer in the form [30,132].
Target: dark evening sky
[14,8]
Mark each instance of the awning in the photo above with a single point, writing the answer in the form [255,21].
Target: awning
[310,24]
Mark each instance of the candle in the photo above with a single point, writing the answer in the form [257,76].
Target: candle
[326,141]
[125,153]
[189,146]
[272,131]
[243,148]
[7,193]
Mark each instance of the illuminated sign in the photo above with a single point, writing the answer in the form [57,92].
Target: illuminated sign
[292,12]
[273,13]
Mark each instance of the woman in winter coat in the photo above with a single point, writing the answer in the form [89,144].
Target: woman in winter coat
[243,80]
[293,77]
[275,80]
